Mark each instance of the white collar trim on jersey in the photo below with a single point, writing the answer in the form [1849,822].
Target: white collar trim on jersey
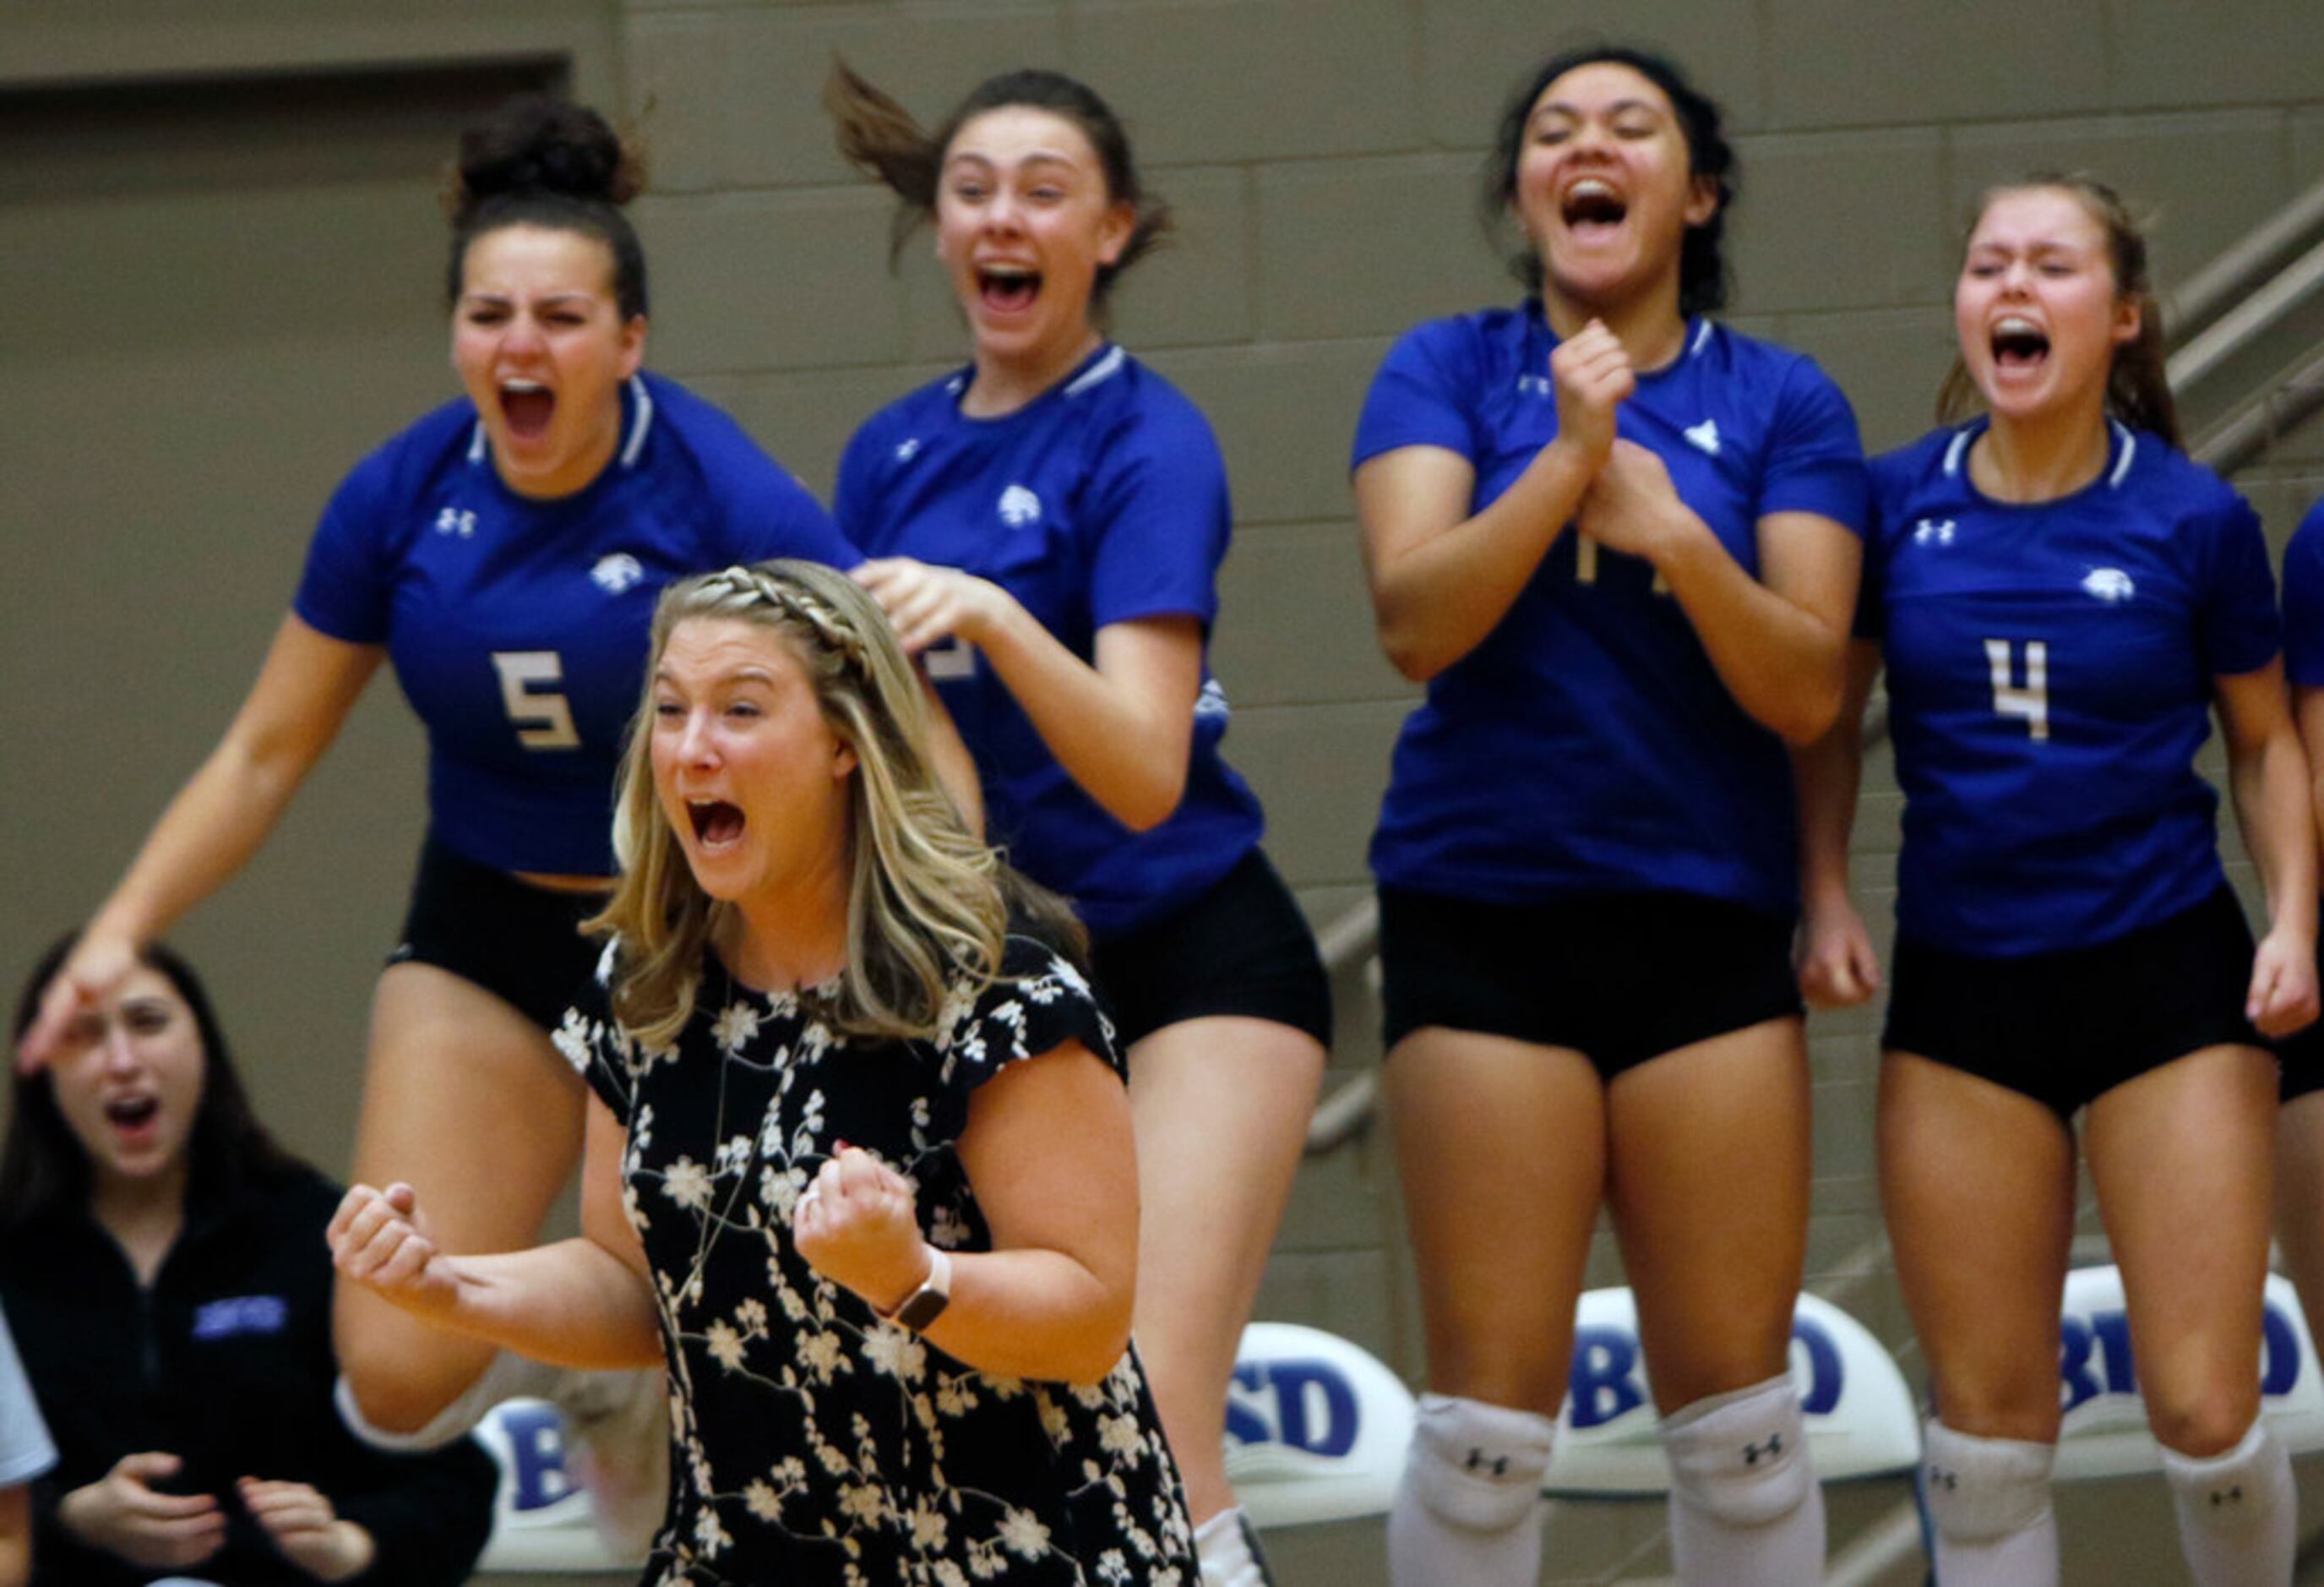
[2129,451]
[638,426]
[1702,340]
[1097,373]
[2115,475]
[641,423]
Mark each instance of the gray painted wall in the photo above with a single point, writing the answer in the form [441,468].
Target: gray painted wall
[1322,155]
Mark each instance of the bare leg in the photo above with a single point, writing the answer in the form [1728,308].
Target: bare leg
[464,1100]
[2182,1157]
[1709,1196]
[1221,1107]
[1708,1189]
[1979,1185]
[2300,1199]
[1502,1149]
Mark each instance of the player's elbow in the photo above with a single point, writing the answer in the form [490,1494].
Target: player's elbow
[1097,1345]
[1153,797]
[1805,718]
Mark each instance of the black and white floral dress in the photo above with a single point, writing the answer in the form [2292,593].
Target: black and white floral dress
[811,1442]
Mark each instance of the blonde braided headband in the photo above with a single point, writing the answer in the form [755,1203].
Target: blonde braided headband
[833,633]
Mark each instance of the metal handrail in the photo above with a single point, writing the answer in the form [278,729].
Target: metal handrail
[2211,290]
[2261,308]
[2249,430]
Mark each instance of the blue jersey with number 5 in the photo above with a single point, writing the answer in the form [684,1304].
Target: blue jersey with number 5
[1588,744]
[2050,681]
[518,627]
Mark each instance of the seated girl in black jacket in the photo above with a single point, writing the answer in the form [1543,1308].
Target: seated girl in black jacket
[163,1266]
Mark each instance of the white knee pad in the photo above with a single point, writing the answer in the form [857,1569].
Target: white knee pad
[2233,1492]
[1476,1466]
[1978,1489]
[1741,1456]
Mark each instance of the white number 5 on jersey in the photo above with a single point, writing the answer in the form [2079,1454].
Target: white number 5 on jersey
[542,718]
[2032,701]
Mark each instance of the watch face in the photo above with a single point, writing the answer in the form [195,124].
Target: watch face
[924,1307]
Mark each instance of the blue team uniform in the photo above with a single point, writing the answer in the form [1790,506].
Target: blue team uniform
[2050,681]
[517,628]
[1102,501]
[2303,601]
[1587,745]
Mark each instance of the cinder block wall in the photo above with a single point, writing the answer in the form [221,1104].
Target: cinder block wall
[1323,157]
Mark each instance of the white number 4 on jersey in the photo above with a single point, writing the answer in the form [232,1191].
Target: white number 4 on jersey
[2031,702]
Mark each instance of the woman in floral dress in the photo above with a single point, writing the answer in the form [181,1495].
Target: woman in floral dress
[859,1166]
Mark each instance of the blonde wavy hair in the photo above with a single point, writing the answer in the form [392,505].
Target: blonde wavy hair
[927,901]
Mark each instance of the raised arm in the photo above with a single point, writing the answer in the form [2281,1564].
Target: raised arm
[2270,778]
[305,689]
[1047,1150]
[1444,576]
[586,1302]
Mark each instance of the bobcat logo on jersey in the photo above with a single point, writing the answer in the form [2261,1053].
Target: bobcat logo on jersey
[616,573]
[2109,584]
[1019,507]
[1703,437]
[1933,531]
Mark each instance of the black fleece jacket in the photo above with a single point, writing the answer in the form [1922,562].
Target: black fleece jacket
[225,1362]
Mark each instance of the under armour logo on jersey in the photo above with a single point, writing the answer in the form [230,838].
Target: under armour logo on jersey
[1933,531]
[1019,507]
[456,520]
[1703,437]
[616,573]
[1534,385]
[1940,1478]
[908,448]
[1754,1453]
[2108,584]
[1499,1465]
[2223,1496]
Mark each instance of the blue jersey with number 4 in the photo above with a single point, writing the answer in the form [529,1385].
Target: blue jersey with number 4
[1587,743]
[518,627]
[2050,669]
[1102,501]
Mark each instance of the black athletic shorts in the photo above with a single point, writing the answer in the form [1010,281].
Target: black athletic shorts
[2065,1027]
[1617,977]
[1241,948]
[519,942]
[2302,1053]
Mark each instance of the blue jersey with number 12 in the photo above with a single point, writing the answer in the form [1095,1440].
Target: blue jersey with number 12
[2050,679]
[518,627]
[1588,744]
[1102,501]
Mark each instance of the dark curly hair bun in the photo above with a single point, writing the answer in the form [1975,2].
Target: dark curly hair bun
[536,144]
[539,160]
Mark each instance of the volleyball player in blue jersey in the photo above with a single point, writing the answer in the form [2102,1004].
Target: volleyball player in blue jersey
[2061,599]
[504,554]
[2300,1124]
[1045,527]
[1618,541]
